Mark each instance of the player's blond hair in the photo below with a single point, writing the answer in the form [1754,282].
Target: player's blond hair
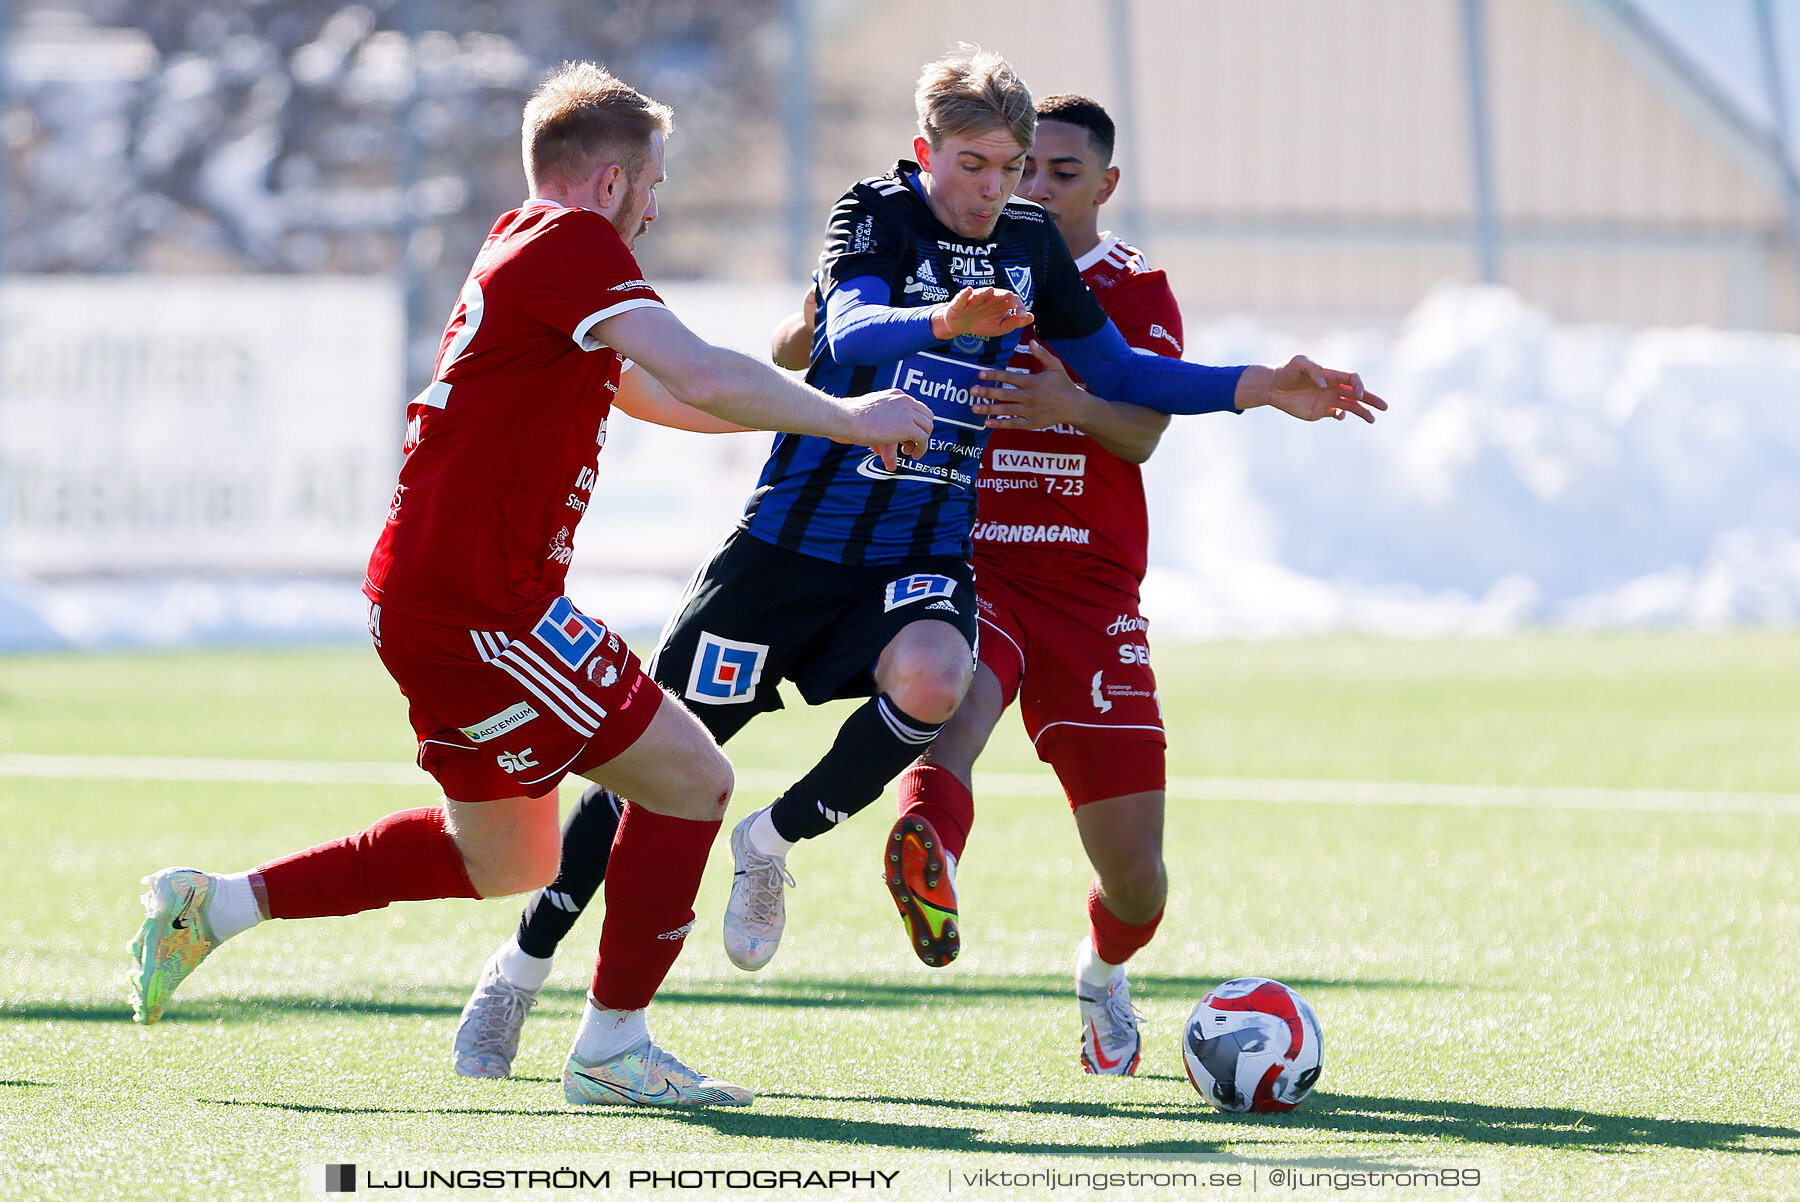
[969,92]
[584,117]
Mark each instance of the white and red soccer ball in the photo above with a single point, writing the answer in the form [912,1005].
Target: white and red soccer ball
[1253,1045]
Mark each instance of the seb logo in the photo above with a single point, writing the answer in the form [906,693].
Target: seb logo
[725,671]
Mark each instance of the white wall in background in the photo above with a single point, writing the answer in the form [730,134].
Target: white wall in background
[217,424]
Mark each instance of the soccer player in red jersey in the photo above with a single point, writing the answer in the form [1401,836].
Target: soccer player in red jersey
[846,579]
[510,687]
[1061,543]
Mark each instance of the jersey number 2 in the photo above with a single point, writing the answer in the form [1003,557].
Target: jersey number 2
[465,321]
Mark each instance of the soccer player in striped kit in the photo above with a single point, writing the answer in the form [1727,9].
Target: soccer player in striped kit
[850,579]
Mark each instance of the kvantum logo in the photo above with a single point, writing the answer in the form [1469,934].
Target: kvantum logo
[334,1178]
[1042,463]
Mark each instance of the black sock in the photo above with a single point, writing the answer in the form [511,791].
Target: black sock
[587,839]
[874,746]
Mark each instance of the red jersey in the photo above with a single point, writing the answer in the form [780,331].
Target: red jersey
[1055,504]
[501,447]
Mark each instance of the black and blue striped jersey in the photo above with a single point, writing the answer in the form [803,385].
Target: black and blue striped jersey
[839,502]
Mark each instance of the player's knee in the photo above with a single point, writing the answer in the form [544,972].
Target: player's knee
[1136,887]
[707,791]
[929,687]
[720,780]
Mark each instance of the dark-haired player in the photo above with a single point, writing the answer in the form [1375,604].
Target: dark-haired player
[1061,545]
[850,578]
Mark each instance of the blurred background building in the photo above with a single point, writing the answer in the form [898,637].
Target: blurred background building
[232,230]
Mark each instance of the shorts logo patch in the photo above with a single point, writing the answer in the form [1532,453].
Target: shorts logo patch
[515,761]
[725,671]
[919,587]
[943,605]
[500,723]
[1100,701]
[567,634]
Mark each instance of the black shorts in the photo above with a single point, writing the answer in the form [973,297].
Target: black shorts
[756,614]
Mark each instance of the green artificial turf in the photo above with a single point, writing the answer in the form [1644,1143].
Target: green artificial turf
[1578,1003]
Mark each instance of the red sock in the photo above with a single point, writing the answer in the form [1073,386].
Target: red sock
[407,856]
[932,792]
[1115,940]
[651,880]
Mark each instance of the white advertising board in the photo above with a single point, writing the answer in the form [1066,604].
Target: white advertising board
[196,424]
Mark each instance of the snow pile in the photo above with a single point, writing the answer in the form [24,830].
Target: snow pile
[1526,473]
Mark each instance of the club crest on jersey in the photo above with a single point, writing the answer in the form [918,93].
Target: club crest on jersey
[568,634]
[918,587]
[1020,279]
[725,671]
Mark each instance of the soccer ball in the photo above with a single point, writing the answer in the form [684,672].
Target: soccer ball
[1253,1044]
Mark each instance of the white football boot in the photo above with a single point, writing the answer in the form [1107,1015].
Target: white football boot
[1110,1044]
[757,910]
[645,1075]
[487,1036]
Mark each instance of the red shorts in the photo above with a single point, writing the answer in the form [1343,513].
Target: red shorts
[510,713]
[1078,661]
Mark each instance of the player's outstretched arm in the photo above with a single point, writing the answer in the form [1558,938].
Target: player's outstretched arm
[642,396]
[1303,389]
[741,390]
[1039,400]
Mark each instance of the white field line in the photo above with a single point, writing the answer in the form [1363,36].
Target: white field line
[1007,784]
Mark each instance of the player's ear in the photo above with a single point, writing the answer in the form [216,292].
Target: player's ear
[1109,179]
[611,186]
[922,152]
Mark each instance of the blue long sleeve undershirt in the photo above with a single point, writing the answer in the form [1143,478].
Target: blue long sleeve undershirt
[1114,370]
[863,329]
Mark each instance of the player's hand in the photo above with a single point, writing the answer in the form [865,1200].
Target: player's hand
[1303,389]
[1031,401]
[984,312]
[891,423]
